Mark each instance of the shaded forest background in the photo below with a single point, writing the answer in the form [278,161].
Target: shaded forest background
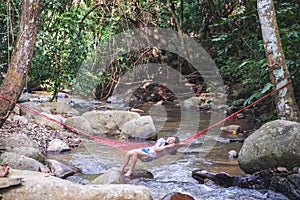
[229,31]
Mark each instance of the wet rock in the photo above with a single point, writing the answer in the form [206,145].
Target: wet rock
[177,196]
[266,181]
[275,180]
[232,154]
[233,129]
[222,178]
[59,169]
[274,144]
[38,185]
[294,179]
[42,99]
[140,174]
[23,99]
[58,145]
[238,139]
[111,176]
[62,95]
[283,186]
[258,180]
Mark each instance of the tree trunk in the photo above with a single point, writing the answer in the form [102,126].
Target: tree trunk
[286,105]
[21,58]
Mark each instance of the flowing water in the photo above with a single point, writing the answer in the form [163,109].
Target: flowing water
[172,173]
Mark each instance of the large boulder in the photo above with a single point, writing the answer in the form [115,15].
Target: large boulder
[17,140]
[42,186]
[100,122]
[52,110]
[275,144]
[142,127]
[82,124]
[32,106]
[111,176]
[17,145]
[17,161]
[45,120]
[109,120]
[30,152]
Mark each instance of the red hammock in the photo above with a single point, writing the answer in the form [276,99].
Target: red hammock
[127,145]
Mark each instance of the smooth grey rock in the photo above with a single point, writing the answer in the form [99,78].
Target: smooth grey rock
[58,145]
[42,186]
[111,176]
[274,144]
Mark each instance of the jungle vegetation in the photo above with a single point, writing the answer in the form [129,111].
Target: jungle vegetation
[68,31]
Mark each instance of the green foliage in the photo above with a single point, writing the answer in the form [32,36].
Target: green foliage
[9,12]
[288,20]
[242,59]
[258,95]
[70,33]
[60,48]
[238,48]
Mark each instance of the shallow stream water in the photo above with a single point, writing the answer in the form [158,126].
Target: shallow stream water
[172,173]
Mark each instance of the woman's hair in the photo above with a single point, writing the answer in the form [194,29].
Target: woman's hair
[176,141]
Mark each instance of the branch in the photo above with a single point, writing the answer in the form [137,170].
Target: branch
[85,16]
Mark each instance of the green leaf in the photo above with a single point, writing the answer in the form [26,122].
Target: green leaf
[267,87]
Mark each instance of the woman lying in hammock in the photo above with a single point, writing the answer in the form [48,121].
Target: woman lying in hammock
[147,154]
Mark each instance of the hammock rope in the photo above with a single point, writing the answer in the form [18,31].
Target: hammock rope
[186,141]
[127,145]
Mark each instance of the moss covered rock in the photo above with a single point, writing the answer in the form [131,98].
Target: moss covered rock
[274,144]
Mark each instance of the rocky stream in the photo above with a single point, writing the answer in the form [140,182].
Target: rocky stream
[206,168]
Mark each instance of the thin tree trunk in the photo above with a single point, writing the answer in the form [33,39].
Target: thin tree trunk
[286,105]
[21,58]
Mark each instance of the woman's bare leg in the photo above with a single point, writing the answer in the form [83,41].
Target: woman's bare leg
[134,158]
[134,154]
[126,161]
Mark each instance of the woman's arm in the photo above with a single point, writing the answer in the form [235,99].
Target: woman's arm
[159,147]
